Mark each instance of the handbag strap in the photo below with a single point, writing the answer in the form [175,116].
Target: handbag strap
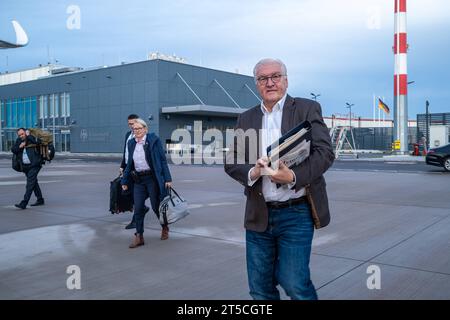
[176,193]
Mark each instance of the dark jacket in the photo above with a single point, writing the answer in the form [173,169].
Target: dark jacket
[309,173]
[123,164]
[33,153]
[156,159]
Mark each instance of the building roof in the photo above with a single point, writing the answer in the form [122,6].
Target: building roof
[204,110]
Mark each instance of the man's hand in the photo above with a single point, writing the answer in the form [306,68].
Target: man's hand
[257,170]
[283,175]
[121,171]
[22,145]
[124,187]
[168,185]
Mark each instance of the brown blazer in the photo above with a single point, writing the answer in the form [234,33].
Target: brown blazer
[309,173]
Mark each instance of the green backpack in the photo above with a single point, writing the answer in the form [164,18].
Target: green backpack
[45,148]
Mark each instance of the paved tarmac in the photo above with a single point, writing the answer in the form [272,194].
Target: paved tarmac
[398,222]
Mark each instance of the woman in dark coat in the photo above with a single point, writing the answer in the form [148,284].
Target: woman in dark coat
[147,166]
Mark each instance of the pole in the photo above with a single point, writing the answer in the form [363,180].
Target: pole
[1,128]
[350,116]
[374,104]
[401,76]
[427,104]
[53,113]
[379,117]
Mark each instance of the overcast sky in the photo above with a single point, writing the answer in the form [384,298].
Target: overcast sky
[341,49]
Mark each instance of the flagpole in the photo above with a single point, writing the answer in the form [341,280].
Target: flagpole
[374,104]
[379,116]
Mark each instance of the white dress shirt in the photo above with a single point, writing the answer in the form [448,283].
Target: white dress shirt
[131,136]
[25,159]
[140,164]
[271,131]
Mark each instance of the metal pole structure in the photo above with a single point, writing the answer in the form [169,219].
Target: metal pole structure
[53,113]
[315,96]
[401,77]
[350,105]
[1,127]
[427,104]
[374,108]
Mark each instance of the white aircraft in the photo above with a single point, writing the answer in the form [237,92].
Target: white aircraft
[21,38]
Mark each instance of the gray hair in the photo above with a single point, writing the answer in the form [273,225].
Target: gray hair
[269,61]
[142,123]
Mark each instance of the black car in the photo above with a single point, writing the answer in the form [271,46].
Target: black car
[439,157]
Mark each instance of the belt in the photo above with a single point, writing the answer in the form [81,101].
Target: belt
[144,173]
[286,204]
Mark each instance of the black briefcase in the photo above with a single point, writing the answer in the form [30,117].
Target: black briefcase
[120,201]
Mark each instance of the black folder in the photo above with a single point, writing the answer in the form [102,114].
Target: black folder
[285,144]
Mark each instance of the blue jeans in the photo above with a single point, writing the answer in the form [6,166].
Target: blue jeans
[280,255]
[147,187]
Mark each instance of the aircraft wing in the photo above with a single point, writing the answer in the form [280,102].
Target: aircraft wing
[21,38]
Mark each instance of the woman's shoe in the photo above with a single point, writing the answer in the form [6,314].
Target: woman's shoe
[165,233]
[137,242]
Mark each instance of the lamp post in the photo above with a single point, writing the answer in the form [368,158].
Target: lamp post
[350,105]
[315,96]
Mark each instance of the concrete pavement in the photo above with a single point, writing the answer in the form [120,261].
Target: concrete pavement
[397,222]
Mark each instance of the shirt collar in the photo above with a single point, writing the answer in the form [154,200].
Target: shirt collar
[142,141]
[278,106]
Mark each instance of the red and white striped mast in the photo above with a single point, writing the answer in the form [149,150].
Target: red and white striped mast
[401,77]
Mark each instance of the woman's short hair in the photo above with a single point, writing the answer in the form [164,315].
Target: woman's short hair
[141,122]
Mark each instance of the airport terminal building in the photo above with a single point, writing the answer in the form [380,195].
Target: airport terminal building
[87,109]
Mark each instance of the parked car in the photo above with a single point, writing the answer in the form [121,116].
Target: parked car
[439,157]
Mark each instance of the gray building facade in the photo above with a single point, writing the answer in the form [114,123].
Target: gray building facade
[87,110]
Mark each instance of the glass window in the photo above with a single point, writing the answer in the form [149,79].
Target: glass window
[45,106]
[23,112]
[62,98]
[41,106]
[56,104]
[52,105]
[33,111]
[8,114]
[67,104]
[14,114]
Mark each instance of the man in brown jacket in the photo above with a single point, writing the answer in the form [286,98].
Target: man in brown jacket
[280,221]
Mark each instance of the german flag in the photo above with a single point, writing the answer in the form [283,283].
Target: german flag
[383,106]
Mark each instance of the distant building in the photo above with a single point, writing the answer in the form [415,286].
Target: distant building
[435,128]
[371,134]
[87,109]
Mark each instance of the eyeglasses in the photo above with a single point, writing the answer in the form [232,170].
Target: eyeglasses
[262,81]
[138,129]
